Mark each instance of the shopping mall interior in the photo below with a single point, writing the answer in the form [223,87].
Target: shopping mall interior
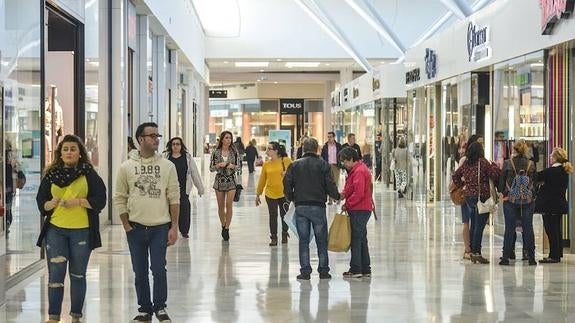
[422,77]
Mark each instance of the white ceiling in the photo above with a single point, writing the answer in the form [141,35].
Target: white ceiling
[280,29]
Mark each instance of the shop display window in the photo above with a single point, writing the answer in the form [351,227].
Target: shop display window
[520,108]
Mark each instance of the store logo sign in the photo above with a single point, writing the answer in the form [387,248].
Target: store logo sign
[478,43]
[218,94]
[552,11]
[291,106]
[412,76]
[430,63]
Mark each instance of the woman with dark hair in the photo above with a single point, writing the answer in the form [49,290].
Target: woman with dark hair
[225,161]
[188,176]
[358,204]
[271,179]
[251,155]
[475,174]
[551,201]
[401,157]
[465,212]
[70,198]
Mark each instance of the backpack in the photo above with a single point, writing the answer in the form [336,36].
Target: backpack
[521,189]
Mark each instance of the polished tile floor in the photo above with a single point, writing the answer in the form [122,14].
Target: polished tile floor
[418,275]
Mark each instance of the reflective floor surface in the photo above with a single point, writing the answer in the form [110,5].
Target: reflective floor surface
[418,274]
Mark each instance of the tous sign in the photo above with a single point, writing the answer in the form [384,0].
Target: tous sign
[552,11]
[477,40]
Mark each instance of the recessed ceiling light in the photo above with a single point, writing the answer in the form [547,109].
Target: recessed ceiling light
[262,70]
[259,80]
[225,62]
[302,64]
[252,64]
[276,82]
[327,64]
[278,59]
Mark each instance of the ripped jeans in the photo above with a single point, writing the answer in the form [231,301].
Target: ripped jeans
[66,248]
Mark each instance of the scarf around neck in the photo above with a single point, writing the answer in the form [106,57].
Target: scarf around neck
[64,176]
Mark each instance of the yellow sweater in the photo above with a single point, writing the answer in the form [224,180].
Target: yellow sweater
[272,178]
[72,217]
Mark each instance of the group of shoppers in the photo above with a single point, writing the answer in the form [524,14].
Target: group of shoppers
[518,187]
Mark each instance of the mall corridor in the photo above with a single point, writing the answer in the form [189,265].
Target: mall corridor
[418,274]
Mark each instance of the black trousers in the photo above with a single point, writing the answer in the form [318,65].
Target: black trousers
[273,206]
[185,210]
[251,166]
[552,224]
[378,170]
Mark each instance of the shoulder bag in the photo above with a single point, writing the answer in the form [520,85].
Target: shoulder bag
[490,205]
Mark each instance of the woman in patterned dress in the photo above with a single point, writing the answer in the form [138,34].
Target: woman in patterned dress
[225,161]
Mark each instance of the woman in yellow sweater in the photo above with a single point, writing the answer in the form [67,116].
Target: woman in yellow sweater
[271,179]
[70,198]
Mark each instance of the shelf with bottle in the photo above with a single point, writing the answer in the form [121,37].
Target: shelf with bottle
[531,130]
[533,138]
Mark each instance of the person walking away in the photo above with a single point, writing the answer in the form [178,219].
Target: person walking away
[516,184]
[251,155]
[551,201]
[358,204]
[271,179]
[475,174]
[188,176]
[70,198]
[308,182]
[147,198]
[299,151]
[401,157]
[329,153]
[240,149]
[225,161]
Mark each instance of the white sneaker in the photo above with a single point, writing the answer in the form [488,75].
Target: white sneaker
[163,317]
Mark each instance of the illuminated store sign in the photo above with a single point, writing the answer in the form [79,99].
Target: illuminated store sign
[478,43]
[291,106]
[218,94]
[552,11]
[412,76]
[430,63]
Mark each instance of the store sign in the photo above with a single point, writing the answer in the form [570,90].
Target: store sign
[552,11]
[430,63]
[375,84]
[132,30]
[355,93]
[218,94]
[219,113]
[478,43]
[412,76]
[291,106]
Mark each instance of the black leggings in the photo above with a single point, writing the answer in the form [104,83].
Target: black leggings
[273,206]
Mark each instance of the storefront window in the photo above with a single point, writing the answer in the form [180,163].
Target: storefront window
[519,107]
[92,78]
[20,49]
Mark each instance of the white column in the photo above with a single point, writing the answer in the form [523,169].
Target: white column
[118,86]
[327,113]
[160,108]
[142,109]
[173,85]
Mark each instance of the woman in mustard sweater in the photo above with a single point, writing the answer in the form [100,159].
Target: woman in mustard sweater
[271,179]
[70,198]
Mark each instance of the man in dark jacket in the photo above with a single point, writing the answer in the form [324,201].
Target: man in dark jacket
[307,183]
[329,153]
[351,143]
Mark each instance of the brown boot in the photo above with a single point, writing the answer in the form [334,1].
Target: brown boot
[274,241]
[285,237]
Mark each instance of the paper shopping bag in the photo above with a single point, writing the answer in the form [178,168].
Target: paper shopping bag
[339,236]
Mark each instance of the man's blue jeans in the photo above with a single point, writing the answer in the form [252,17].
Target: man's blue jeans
[152,240]
[360,262]
[512,212]
[305,217]
[66,248]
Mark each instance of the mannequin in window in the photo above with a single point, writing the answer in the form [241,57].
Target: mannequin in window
[53,118]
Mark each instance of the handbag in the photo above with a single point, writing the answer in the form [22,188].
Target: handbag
[290,220]
[490,205]
[392,164]
[456,193]
[20,180]
[339,236]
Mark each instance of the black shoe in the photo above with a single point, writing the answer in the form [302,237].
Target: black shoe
[303,277]
[350,274]
[163,317]
[223,232]
[549,261]
[399,194]
[504,262]
[185,236]
[142,318]
[532,262]
[226,234]
[512,255]
[324,276]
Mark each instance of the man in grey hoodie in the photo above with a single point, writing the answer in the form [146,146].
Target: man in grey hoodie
[147,198]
